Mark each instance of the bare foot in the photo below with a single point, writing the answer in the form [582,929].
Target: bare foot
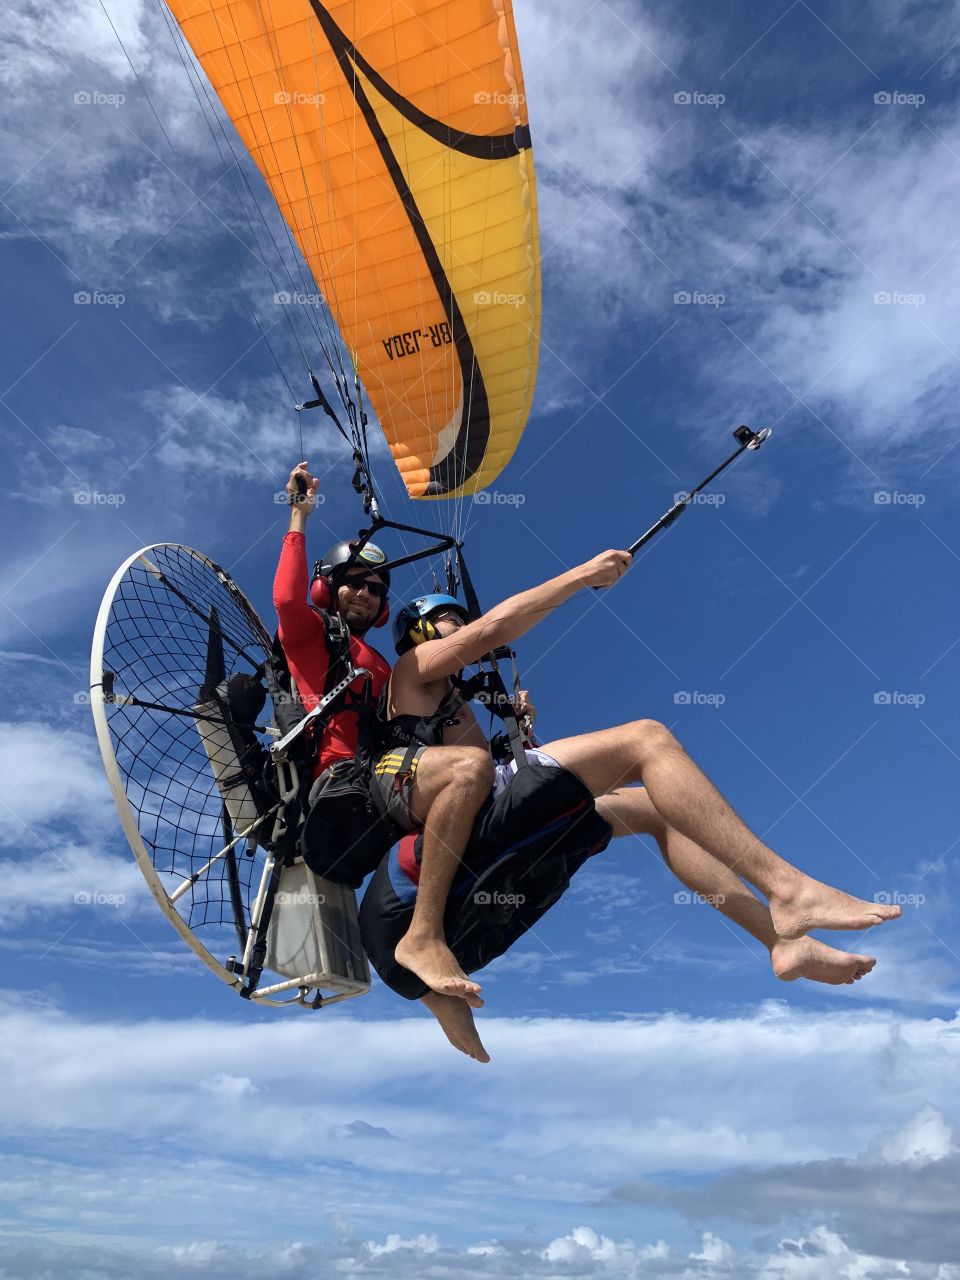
[808,958]
[435,964]
[456,1019]
[808,904]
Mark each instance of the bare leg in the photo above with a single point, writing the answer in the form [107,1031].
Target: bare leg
[689,802]
[630,811]
[456,1019]
[450,786]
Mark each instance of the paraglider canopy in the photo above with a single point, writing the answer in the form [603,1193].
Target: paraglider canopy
[396,144]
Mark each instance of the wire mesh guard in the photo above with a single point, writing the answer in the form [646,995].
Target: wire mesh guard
[158,645]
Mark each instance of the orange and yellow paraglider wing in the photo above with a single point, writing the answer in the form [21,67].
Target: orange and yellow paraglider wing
[394,138]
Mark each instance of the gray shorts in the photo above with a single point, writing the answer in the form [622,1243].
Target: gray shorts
[393,775]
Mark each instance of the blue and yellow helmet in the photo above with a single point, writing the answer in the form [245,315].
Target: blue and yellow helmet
[408,625]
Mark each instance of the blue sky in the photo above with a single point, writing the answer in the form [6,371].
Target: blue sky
[658,1104]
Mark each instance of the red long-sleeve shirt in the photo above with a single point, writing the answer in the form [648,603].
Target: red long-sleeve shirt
[304,640]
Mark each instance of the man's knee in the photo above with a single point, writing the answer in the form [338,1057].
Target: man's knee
[651,736]
[471,769]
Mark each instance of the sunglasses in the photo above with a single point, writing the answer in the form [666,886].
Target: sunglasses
[359,584]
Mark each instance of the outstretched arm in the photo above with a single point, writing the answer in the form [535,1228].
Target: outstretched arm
[512,618]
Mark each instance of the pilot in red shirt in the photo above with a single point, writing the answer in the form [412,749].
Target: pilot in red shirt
[356,591]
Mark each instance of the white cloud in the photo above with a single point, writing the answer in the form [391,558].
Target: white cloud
[714,1250]
[71,878]
[666,197]
[88,1084]
[925,1137]
[581,1244]
[421,1245]
[50,778]
[71,440]
[37,40]
[38,659]
[823,1255]
[150,196]
[914,1171]
[818,1255]
[335,1088]
[202,435]
[56,816]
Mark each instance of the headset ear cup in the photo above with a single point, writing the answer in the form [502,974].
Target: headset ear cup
[384,616]
[422,630]
[320,592]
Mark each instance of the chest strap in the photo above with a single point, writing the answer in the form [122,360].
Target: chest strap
[485,686]
[279,749]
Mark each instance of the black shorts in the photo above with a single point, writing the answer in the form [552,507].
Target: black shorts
[524,848]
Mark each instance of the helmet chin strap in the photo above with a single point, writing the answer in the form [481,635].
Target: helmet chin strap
[356,628]
[379,619]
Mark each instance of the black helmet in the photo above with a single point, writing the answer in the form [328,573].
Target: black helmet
[329,572]
[342,554]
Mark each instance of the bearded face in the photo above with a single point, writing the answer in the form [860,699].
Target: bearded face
[360,598]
